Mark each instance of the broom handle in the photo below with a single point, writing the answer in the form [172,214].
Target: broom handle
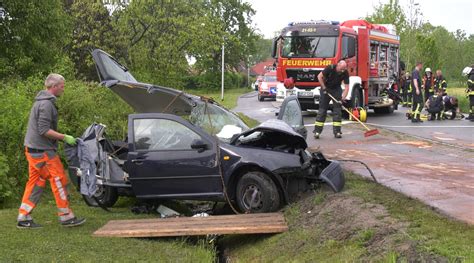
[350,113]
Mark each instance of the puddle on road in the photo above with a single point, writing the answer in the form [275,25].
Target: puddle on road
[418,144]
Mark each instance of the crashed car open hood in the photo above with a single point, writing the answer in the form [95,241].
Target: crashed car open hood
[280,132]
[147,98]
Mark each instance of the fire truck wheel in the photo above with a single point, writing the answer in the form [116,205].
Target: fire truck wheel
[260,98]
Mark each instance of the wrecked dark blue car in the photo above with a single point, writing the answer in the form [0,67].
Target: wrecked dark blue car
[180,146]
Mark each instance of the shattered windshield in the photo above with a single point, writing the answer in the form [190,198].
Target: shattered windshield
[217,121]
[309,47]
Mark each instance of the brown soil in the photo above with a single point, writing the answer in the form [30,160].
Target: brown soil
[344,217]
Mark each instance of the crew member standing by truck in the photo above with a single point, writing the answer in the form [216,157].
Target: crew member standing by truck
[428,84]
[469,72]
[331,79]
[41,143]
[417,95]
[406,90]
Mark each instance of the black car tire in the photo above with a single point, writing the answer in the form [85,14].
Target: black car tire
[260,98]
[107,196]
[260,186]
[384,110]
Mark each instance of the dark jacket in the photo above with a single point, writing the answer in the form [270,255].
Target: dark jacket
[43,116]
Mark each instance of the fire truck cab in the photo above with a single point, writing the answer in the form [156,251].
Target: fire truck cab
[371,51]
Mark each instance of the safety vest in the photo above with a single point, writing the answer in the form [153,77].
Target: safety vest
[470,85]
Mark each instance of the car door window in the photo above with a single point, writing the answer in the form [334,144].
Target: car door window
[162,134]
[292,114]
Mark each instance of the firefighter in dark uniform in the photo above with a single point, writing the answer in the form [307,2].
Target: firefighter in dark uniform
[331,79]
[451,107]
[440,83]
[406,90]
[469,72]
[417,105]
[434,106]
[428,83]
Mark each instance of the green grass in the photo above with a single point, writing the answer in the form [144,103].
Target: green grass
[55,243]
[434,235]
[230,95]
[460,93]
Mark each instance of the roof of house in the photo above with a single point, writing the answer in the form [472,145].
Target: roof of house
[259,68]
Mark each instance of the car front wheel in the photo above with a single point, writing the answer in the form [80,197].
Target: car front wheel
[105,195]
[257,193]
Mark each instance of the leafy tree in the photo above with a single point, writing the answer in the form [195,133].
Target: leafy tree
[159,36]
[233,19]
[92,29]
[421,41]
[263,50]
[32,35]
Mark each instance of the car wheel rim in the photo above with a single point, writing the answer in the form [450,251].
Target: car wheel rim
[252,198]
[100,192]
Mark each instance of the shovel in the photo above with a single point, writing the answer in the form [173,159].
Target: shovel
[369,132]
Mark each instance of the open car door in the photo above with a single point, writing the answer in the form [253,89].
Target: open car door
[290,112]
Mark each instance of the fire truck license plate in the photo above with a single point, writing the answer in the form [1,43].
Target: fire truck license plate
[305,94]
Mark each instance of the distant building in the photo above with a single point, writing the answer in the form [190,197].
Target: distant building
[261,68]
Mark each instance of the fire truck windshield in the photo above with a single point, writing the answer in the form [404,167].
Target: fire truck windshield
[308,47]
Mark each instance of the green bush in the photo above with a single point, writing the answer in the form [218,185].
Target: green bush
[212,81]
[81,105]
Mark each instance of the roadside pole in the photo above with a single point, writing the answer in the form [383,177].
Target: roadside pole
[222,77]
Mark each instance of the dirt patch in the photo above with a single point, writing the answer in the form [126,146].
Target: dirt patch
[343,217]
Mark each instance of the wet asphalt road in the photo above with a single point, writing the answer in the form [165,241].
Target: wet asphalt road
[432,161]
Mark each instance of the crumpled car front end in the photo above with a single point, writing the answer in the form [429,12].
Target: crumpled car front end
[276,148]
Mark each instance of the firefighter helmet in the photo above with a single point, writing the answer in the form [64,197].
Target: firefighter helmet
[427,70]
[466,71]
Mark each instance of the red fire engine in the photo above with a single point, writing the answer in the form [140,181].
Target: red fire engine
[371,51]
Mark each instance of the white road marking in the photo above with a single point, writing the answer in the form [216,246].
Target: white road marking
[396,126]
[416,126]
[444,138]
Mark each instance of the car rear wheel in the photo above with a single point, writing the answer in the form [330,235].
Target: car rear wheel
[106,196]
[257,193]
[260,98]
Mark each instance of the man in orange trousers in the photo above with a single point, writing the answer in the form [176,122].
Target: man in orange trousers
[41,143]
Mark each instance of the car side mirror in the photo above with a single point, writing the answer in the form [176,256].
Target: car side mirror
[274,48]
[199,145]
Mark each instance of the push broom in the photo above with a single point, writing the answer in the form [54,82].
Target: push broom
[369,132]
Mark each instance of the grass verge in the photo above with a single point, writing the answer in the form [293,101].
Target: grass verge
[53,243]
[366,222]
[460,93]
[230,95]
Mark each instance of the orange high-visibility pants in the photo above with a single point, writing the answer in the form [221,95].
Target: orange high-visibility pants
[44,166]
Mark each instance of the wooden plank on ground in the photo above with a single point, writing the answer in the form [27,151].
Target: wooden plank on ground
[195,226]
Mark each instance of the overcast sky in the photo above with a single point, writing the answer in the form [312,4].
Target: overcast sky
[273,15]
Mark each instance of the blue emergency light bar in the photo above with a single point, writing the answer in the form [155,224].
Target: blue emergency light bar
[315,22]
